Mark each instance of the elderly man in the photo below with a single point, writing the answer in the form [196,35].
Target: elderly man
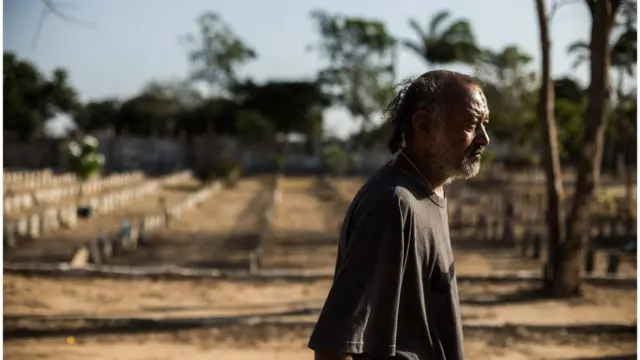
[394,294]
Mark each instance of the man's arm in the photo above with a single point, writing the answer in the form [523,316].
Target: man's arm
[361,310]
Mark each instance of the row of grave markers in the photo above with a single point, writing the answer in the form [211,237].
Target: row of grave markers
[14,176]
[499,217]
[129,236]
[264,225]
[27,184]
[32,226]
[18,202]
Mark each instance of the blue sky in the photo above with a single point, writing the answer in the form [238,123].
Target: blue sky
[136,41]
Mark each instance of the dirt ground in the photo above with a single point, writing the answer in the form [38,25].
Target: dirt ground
[87,318]
[288,342]
[482,303]
[305,229]
[67,300]
[212,235]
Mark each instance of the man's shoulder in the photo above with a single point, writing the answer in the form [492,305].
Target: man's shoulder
[386,189]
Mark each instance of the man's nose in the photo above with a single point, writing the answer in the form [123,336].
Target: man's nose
[482,138]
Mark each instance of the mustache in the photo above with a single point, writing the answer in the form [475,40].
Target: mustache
[475,150]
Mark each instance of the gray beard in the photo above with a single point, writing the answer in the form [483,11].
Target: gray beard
[455,166]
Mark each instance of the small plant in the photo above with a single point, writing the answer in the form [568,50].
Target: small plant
[84,160]
[279,161]
[336,161]
[225,169]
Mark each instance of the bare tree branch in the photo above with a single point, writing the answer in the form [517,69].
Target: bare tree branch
[36,36]
[557,4]
[54,8]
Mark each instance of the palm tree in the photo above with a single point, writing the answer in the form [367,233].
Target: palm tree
[623,54]
[507,65]
[438,45]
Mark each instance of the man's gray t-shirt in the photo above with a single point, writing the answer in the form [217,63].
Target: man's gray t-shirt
[394,294]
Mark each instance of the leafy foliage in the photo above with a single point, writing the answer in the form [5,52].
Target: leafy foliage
[336,161]
[510,90]
[290,106]
[444,45]
[30,99]
[216,52]
[225,169]
[361,67]
[84,159]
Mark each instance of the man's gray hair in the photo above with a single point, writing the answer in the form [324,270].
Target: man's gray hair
[429,92]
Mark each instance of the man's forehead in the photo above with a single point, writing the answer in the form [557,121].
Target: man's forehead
[475,101]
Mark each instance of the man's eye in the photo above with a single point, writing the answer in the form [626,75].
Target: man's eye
[470,128]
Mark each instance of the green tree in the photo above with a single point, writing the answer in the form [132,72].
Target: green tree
[290,106]
[216,52]
[216,115]
[443,43]
[336,161]
[149,113]
[623,50]
[30,99]
[567,88]
[361,56]
[98,115]
[254,127]
[509,86]
[563,269]
[568,116]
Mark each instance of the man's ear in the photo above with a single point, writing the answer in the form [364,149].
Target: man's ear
[420,123]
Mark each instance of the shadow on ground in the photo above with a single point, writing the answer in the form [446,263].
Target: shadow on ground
[304,250]
[522,295]
[302,320]
[633,356]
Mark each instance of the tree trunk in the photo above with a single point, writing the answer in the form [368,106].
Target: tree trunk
[620,88]
[567,274]
[551,156]
[629,196]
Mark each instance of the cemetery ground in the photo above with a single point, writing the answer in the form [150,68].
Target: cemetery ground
[59,246]
[271,317]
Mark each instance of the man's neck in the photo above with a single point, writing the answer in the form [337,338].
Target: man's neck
[428,170]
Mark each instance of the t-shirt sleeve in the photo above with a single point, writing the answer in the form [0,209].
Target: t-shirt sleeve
[361,311]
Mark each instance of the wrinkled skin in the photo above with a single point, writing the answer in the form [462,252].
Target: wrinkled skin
[454,147]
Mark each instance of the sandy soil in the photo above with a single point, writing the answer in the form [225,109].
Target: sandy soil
[59,245]
[482,303]
[219,233]
[64,302]
[348,187]
[305,228]
[289,342]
